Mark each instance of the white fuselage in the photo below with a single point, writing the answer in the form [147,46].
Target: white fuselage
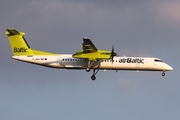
[120,63]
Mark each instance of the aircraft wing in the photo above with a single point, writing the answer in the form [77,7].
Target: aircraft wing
[88,46]
[90,52]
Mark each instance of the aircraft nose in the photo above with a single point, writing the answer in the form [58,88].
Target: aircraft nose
[168,67]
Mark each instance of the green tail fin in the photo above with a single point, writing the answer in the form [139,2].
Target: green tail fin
[19,45]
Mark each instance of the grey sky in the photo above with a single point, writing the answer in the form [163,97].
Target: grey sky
[136,28]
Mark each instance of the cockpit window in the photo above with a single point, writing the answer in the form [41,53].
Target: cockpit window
[157,60]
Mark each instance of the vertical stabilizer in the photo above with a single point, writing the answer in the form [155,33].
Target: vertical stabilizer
[18,43]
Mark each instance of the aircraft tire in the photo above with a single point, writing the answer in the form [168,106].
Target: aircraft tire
[88,69]
[93,77]
[163,74]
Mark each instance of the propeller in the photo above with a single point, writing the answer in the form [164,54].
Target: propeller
[113,54]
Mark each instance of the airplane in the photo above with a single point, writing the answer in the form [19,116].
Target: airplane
[89,58]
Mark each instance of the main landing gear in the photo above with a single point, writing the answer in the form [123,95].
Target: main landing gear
[90,63]
[93,77]
[95,71]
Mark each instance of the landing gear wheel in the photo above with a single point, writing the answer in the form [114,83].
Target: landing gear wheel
[88,69]
[93,77]
[163,74]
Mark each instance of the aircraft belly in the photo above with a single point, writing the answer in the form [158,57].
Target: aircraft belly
[105,65]
[123,66]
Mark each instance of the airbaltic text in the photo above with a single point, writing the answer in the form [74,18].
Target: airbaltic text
[21,49]
[131,60]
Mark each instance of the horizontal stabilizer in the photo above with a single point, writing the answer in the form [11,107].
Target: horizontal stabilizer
[12,31]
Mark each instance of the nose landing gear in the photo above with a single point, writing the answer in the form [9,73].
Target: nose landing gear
[163,73]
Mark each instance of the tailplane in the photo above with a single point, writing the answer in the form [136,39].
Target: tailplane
[19,45]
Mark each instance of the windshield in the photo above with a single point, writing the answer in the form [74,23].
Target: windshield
[157,60]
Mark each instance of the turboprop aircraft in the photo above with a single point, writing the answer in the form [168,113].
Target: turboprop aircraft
[89,58]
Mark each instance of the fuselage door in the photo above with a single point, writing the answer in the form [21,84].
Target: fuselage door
[59,60]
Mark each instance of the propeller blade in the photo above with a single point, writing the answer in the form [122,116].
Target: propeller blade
[112,54]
